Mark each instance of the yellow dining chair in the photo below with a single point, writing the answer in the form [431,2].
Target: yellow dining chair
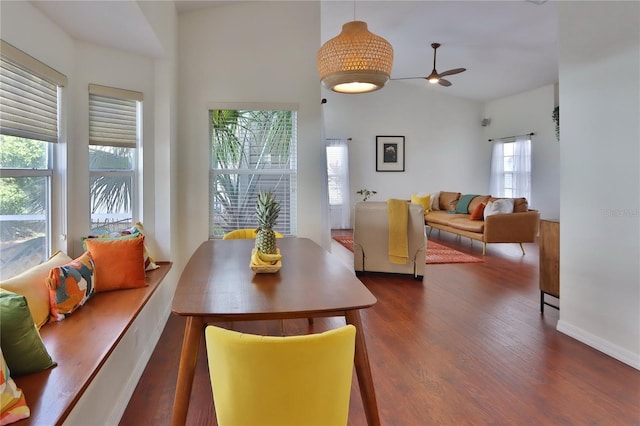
[292,380]
[245,234]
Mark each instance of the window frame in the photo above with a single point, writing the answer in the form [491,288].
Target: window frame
[54,171]
[289,206]
[135,173]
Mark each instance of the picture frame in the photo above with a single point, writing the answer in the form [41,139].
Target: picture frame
[390,154]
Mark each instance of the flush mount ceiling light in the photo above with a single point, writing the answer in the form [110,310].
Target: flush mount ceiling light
[355,61]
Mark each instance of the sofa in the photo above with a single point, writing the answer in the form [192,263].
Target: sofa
[468,215]
[371,240]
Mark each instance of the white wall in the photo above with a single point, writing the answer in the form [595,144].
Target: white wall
[247,52]
[599,99]
[525,113]
[444,146]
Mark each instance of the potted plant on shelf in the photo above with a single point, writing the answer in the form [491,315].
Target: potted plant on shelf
[366,193]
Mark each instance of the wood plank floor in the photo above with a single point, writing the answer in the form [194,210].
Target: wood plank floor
[468,345]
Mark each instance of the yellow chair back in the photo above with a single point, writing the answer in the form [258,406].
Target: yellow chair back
[245,234]
[292,380]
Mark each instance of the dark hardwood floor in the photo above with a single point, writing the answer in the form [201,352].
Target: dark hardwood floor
[468,345]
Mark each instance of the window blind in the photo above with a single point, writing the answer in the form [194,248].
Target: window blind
[252,151]
[113,116]
[28,96]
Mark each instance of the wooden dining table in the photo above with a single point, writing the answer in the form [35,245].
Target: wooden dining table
[217,285]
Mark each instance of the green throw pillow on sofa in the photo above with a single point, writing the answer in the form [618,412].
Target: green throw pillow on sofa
[22,346]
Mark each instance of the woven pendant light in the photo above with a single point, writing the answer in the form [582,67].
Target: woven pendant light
[355,61]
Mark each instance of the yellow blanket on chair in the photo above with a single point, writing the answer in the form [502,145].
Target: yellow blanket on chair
[398,222]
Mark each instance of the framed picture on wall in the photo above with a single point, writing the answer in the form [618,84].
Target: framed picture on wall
[389,153]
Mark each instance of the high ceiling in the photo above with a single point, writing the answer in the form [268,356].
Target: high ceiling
[507,46]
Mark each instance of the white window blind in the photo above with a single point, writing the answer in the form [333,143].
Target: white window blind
[29,110]
[28,96]
[252,151]
[113,115]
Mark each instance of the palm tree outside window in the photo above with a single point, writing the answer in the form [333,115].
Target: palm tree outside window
[251,151]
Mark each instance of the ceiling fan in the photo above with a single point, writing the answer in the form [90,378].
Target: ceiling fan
[436,77]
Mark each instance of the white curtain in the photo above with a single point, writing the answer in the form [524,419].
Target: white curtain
[522,167]
[338,183]
[496,180]
[511,167]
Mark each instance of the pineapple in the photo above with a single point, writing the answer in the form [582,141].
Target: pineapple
[267,210]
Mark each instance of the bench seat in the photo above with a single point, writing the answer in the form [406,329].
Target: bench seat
[81,344]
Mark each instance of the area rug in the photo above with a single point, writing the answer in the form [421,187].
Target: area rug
[436,252]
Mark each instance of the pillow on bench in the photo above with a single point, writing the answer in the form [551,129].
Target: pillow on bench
[70,286]
[14,406]
[32,284]
[21,343]
[119,263]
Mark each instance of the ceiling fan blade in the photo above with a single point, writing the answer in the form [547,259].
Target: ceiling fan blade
[443,82]
[409,78]
[452,72]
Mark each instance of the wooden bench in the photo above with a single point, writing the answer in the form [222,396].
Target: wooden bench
[81,344]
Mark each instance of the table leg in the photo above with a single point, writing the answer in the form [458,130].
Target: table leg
[363,370]
[186,371]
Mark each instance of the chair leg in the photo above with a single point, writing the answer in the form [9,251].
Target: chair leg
[484,248]
[310,321]
[522,248]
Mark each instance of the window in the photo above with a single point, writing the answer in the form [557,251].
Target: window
[114,132]
[511,167]
[338,183]
[29,101]
[251,151]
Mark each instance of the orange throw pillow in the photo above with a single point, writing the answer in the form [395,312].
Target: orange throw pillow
[118,263]
[478,212]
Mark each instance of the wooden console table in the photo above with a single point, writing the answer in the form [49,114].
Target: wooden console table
[549,261]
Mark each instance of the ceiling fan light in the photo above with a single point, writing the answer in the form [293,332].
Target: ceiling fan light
[433,78]
[355,61]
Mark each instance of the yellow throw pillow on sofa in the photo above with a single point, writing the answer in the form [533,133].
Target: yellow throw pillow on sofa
[424,200]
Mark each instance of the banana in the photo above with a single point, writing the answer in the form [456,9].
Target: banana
[255,259]
[259,258]
[270,258]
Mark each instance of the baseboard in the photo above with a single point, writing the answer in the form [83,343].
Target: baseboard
[604,346]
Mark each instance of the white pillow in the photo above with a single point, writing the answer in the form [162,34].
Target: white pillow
[503,205]
[435,200]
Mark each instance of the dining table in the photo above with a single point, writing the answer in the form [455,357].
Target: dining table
[218,285]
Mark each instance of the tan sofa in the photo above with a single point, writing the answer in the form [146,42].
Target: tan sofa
[371,240]
[520,226]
